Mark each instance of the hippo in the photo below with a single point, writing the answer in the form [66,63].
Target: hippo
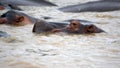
[4,34]
[27,2]
[43,26]
[9,6]
[75,27]
[16,18]
[94,6]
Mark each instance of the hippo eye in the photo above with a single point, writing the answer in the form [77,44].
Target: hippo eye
[74,24]
[19,19]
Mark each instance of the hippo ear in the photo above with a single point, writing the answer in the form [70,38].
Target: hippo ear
[91,26]
[19,19]
[90,29]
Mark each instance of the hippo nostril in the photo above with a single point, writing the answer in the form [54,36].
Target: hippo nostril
[3,20]
[1,7]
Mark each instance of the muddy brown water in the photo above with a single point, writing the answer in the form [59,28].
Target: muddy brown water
[27,50]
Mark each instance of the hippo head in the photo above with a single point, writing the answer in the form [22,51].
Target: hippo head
[14,18]
[76,27]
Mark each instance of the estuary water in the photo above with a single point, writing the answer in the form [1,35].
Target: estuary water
[27,50]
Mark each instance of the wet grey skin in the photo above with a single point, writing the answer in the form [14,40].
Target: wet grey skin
[4,34]
[27,2]
[95,6]
[110,0]
[14,7]
[81,21]
[10,6]
[11,15]
[43,26]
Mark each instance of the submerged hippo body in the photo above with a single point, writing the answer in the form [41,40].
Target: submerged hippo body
[13,4]
[95,6]
[111,0]
[4,34]
[9,6]
[75,27]
[28,2]
[43,26]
